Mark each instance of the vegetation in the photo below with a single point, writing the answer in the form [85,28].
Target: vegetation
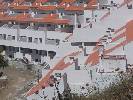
[122,90]
[3,61]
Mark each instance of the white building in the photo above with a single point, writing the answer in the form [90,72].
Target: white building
[89,40]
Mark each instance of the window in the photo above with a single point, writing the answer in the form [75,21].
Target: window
[23,38]
[44,53]
[13,37]
[10,48]
[4,36]
[61,26]
[40,52]
[9,37]
[90,43]
[0,35]
[36,51]
[87,20]
[11,56]
[76,43]
[29,39]
[58,75]
[30,50]
[61,14]
[36,40]
[13,48]
[48,25]
[36,60]
[17,49]
[21,50]
[79,26]
[40,40]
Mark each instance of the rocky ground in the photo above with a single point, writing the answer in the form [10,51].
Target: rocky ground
[17,85]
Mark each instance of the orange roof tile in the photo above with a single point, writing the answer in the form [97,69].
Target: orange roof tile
[50,7]
[21,7]
[64,3]
[92,4]
[61,21]
[75,8]
[68,1]
[38,2]
[3,16]
[91,7]
[17,18]
[15,2]
[3,6]
[61,6]
[51,20]
[52,16]
[22,17]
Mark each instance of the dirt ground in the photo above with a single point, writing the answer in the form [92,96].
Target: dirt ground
[17,83]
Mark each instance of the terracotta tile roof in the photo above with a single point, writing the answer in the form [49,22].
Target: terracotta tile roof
[3,5]
[17,18]
[68,1]
[51,20]
[38,2]
[16,2]
[92,4]
[21,7]
[49,7]
[74,8]
[64,3]
[52,16]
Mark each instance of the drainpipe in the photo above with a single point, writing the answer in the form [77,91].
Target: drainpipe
[98,5]
[76,64]
[125,57]
[75,20]
[45,31]
[18,31]
[85,54]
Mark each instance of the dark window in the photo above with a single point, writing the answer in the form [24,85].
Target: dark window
[48,25]
[79,26]
[36,51]
[4,36]
[90,43]
[51,54]
[76,43]
[40,52]
[30,50]
[21,50]
[36,60]
[10,48]
[13,37]
[87,20]
[17,49]
[11,56]
[13,48]
[29,39]
[44,53]
[61,26]
[40,39]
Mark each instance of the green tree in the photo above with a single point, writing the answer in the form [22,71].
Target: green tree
[3,61]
